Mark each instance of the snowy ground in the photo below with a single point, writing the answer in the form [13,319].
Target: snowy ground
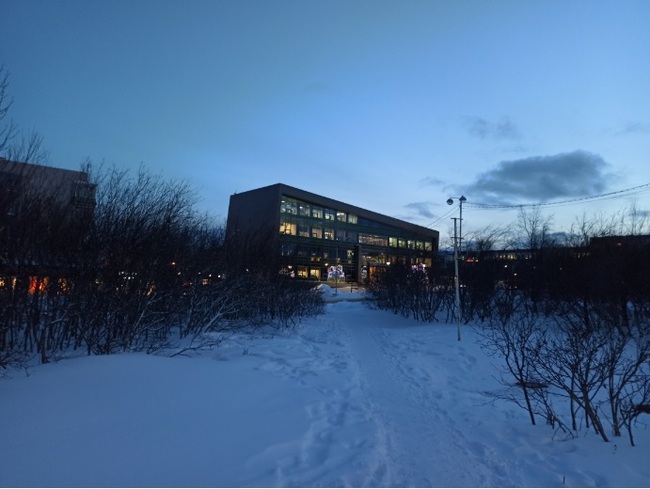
[356,397]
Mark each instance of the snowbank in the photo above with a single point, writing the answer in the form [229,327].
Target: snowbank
[356,397]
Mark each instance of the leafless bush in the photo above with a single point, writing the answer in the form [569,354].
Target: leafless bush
[141,269]
[409,291]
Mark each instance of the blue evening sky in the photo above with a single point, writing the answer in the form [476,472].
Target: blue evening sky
[392,106]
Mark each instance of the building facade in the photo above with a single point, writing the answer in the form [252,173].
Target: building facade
[23,183]
[314,237]
[29,195]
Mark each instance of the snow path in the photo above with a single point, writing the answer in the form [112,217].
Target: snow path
[406,403]
[388,415]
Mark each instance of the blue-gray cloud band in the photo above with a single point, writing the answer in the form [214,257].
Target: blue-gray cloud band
[543,178]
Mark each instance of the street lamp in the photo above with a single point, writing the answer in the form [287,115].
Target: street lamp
[461,201]
[457,238]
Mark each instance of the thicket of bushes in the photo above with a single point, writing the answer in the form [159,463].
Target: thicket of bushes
[145,272]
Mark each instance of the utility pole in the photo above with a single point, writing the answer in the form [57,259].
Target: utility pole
[457,248]
[456,278]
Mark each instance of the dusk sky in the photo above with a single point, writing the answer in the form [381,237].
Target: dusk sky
[393,106]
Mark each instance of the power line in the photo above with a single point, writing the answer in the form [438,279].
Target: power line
[441,217]
[610,195]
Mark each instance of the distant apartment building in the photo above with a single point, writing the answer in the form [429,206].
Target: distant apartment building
[315,237]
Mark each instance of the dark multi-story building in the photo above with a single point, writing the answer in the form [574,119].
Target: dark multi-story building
[25,183]
[29,195]
[311,236]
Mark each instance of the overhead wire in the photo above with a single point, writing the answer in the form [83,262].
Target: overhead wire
[593,198]
[453,209]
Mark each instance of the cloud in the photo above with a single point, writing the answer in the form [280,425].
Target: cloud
[431,182]
[542,179]
[499,131]
[422,209]
[633,128]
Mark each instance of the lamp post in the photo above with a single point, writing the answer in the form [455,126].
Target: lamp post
[457,238]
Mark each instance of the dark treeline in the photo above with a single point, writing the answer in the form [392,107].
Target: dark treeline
[137,267]
[569,320]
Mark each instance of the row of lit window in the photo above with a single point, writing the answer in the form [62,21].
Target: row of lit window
[305,210]
[411,244]
[304,231]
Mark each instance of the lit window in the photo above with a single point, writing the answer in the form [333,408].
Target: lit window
[352,219]
[340,216]
[329,233]
[329,215]
[317,233]
[392,242]
[304,210]
[288,228]
[288,207]
[317,212]
[372,239]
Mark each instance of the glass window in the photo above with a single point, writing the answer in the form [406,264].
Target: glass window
[288,228]
[329,215]
[401,243]
[328,234]
[411,244]
[352,219]
[373,239]
[419,245]
[304,210]
[288,249]
[303,231]
[340,216]
[428,246]
[317,212]
[392,242]
[317,233]
[288,207]
[341,235]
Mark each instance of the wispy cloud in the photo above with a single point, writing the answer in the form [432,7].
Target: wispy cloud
[422,209]
[480,128]
[431,182]
[543,178]
[633,128]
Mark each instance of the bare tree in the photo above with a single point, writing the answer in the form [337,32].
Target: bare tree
[7,130]
[533,229]
[487,238]
[584,228]
[30,147]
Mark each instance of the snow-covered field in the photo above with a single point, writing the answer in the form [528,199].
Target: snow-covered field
[356,397]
